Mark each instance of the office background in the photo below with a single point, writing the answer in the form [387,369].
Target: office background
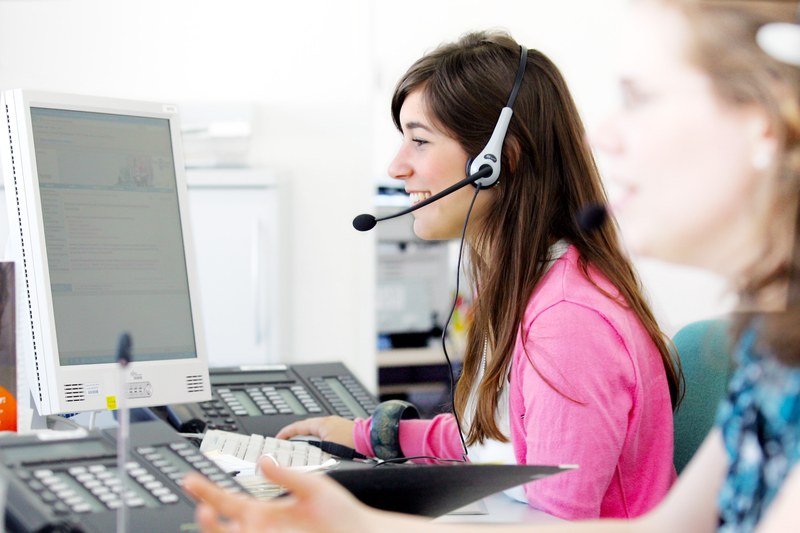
[315,77]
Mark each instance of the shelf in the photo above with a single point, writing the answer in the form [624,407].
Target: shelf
[413,357]
[413,388]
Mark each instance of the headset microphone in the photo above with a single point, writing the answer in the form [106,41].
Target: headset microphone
[366,222]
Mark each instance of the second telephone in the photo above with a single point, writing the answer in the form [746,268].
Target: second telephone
[71,483]
[264,399]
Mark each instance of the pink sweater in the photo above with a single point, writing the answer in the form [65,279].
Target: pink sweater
[594,350]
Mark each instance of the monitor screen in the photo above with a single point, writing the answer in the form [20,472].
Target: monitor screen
[96,196]
[112,233]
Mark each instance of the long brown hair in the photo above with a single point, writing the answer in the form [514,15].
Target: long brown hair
[548,175]
[722,42]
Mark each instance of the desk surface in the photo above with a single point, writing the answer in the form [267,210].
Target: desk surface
[501,509]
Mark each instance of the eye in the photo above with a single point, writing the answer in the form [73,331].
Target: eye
[633,97]
[418,141]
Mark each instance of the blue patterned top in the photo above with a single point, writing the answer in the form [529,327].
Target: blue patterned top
[760,424]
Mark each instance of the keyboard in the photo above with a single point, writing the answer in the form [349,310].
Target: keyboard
[251,447]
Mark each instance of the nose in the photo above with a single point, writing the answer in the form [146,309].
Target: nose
[399,167]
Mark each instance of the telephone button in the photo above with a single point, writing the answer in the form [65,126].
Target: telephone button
[36,486]
[72,501]
[81,508]
[153,485]
[135,502]
[60,508]
[137,471]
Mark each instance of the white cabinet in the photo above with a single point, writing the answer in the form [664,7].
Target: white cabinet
[234,214]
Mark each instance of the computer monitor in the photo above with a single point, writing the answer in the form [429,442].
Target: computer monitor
[99,230]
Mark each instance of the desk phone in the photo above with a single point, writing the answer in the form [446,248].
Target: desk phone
[263,399]
[71,484]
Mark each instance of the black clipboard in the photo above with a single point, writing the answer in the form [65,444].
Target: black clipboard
[434,490]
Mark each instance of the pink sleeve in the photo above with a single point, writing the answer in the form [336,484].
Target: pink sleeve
[437,437]
[361,438]
[578,352]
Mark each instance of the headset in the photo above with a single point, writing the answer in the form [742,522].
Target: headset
[483,170]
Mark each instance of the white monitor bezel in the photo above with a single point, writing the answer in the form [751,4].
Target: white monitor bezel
[52,385]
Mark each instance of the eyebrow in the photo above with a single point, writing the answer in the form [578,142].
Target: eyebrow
[414,125]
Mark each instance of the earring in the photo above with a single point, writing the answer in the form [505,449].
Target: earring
[762,160]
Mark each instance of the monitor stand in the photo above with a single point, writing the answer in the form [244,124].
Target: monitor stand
[88,420]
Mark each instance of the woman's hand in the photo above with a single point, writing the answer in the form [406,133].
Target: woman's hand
[316,504]
[330,428]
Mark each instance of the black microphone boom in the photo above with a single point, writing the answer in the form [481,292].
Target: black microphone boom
[366,222]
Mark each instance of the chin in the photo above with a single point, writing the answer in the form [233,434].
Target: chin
[424,229]
[421,231]
[637,243]
[435,229]
[426,235]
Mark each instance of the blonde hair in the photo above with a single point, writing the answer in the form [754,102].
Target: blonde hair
[722,42]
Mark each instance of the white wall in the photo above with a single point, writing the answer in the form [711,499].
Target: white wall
[320,74]
[309,77]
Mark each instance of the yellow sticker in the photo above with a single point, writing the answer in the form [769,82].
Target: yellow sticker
[111,403]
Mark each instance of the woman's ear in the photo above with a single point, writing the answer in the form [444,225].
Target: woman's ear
[763,138]
[512,149]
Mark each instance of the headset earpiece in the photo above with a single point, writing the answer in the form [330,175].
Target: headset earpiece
[492,153]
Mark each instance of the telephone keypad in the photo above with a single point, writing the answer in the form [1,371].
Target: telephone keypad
[96,487]
[346,395]
[264,400]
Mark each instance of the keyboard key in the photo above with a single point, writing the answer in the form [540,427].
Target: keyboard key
[251,447]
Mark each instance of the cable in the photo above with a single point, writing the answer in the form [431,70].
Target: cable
[446,324]
[339,450]
[404,459]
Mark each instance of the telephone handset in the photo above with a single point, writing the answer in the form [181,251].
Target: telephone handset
[263,399]
[70,484]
